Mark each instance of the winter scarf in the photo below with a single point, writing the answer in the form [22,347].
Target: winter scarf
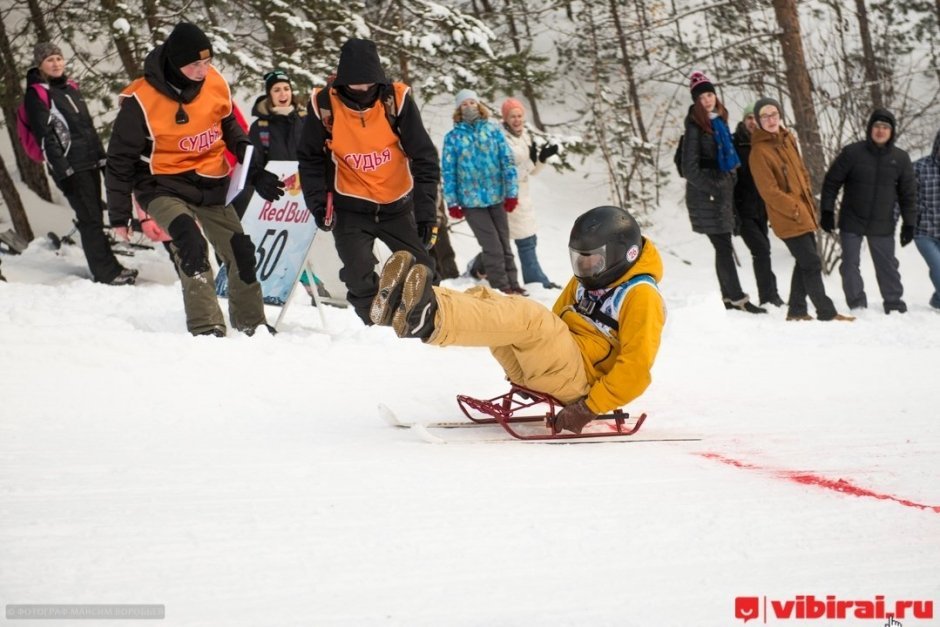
[727,156]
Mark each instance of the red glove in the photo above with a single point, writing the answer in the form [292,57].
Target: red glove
[121,233]
[152,230]
[455,212]
[509,204]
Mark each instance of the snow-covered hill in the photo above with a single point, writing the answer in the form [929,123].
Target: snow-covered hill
[248,481]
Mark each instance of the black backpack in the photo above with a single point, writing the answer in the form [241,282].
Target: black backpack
[677,158]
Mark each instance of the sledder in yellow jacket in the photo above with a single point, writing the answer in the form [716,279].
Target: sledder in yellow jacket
[593,351]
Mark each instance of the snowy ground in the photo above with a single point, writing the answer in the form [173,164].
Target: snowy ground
[248,481]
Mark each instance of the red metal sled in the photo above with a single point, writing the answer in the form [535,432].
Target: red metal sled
[512,407]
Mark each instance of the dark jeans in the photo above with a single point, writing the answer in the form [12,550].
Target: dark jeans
[724,266]
[807,279]
[886,268]
[83,191]
[355,235]
[491,228]
[444,255]
[755,235]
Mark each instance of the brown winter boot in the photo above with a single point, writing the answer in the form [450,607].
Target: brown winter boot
[415,314]
[386,299]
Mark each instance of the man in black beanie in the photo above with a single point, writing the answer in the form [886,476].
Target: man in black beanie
[874,176]
[381,169]
[181,176]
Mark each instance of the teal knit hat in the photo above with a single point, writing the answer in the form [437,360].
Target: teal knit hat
[748,110]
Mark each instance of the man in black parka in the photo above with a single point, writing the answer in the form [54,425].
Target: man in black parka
[875,176]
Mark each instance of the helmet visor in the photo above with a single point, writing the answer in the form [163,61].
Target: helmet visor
[588,263]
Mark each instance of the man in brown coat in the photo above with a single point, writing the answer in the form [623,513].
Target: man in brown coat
[783,183]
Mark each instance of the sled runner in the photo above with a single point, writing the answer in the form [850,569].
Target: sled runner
[521,405]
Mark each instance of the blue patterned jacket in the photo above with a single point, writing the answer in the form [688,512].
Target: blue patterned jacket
[477,166]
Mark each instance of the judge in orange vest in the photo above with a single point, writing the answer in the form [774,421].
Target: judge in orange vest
[168,148]
[365,143]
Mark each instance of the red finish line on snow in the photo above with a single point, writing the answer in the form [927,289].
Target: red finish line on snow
[808,478]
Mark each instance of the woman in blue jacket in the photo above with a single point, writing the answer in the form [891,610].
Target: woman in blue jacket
[480,184]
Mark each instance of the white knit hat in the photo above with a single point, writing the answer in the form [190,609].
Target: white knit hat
[466,94]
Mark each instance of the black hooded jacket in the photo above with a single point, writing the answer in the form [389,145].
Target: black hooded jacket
[276,136]
[130,140]
[747,200]
[872,179]
[64,129]
[359,64]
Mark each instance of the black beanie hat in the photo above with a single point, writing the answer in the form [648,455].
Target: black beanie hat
[186,44]
[273,77]
[763,102]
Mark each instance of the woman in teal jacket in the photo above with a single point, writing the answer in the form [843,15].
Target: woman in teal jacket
[480,184]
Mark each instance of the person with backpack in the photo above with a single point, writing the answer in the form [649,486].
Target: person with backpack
[63,134]
[709,161]
[592,351]
[168,149]
[751,214]
[279,122]
[275,134]
[481,184]
[368,169]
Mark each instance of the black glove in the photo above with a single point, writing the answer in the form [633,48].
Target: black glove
[736,229]
[268,185]
[533,152]
[574,417]
[827,220]
[427,231]
[240,151]
[319,216]
[907,234]
[547,151]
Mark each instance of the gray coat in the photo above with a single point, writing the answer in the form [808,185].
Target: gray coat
[709,193]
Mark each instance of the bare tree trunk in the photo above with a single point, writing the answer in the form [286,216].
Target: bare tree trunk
[527,88]
[150,14]
[15,205]
[32,173]
[39,21]
[403,68]
[636,110]
[801,90]
[871,68]
[131,67]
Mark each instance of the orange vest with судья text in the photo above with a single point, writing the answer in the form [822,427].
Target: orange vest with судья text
[195,146]
[369,161]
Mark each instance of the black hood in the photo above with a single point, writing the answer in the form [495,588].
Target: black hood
[155,71]
[359,64]
[882,115]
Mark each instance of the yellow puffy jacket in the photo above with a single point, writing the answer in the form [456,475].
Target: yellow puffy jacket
[618,363]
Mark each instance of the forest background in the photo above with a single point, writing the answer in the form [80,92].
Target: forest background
[606,78]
